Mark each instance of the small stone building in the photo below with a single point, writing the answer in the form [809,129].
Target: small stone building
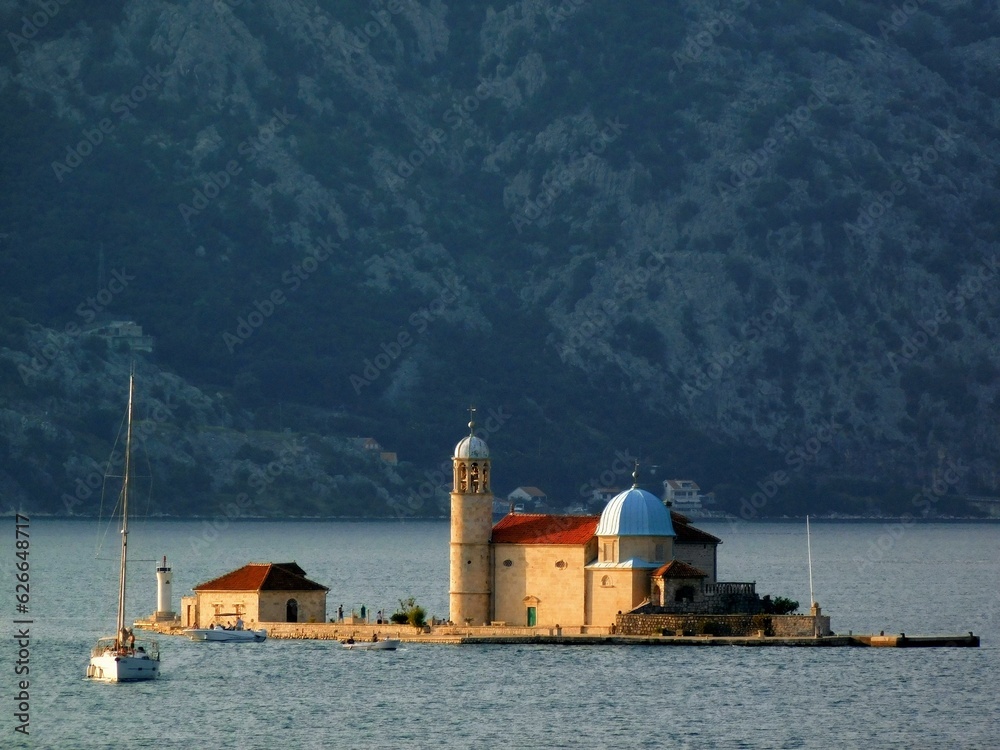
[257,593]
[677,582]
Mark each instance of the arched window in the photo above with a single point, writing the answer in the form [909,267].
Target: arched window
[474,476]
[606,582]
[291,611]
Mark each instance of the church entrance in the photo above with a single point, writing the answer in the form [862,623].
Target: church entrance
[532,617]
[292,611]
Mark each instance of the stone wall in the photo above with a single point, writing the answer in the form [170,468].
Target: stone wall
[339,631]
[720,604]
[784,626]
[794,625]
[701,556]
[336,631]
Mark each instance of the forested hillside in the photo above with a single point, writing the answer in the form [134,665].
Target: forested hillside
[728,239]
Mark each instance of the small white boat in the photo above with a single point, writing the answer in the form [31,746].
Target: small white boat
[388,644]
[122,657]
[237,635]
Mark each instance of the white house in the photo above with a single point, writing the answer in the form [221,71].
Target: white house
[528,497]
[682,495]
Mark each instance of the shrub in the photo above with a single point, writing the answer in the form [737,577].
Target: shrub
[409,612]
[784,606]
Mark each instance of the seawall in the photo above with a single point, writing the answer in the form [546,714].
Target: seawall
[587,636]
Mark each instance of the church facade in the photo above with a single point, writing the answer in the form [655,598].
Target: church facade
[545,570]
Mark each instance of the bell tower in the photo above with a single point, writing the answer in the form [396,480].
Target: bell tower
[471,528]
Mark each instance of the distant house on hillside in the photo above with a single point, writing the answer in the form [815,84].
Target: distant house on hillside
[682,495]
[124,332]
[528,496]
[257,592]
[373,445]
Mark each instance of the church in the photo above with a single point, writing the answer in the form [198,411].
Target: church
[542,570]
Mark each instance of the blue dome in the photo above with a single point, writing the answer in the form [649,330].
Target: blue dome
[472,447]
[635,512]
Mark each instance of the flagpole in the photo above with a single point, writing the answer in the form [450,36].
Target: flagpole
[812,599]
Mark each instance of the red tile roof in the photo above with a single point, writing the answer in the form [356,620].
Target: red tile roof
[538,528]
[263,577]
[685,532]
[678,569]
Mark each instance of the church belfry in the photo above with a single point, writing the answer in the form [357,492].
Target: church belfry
[471,527]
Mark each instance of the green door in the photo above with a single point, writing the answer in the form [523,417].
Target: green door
[532,618]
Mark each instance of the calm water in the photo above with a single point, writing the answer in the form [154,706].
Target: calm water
[287,694]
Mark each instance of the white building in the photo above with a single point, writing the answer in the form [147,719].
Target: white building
[682,495]
[527,497]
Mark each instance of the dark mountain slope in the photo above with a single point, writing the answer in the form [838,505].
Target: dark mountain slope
[699,232]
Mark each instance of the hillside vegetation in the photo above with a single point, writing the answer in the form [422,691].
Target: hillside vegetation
[728,239]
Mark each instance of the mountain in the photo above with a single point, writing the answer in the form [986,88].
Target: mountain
[753,244]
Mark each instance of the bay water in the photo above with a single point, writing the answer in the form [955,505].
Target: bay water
[921,578]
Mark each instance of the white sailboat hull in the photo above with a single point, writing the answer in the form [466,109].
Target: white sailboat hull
[111,664]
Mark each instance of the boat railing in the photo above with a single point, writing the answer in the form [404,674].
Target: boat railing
[151,647]
[142,646]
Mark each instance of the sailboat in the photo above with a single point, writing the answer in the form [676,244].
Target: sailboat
[122,657]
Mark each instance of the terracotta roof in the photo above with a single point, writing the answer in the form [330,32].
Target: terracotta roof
[685,532]
[263,577]
[540,528]
[678,569]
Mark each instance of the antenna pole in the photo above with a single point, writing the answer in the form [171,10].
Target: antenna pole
[812,599]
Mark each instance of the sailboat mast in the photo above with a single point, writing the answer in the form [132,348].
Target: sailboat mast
[125,490]
[812,599]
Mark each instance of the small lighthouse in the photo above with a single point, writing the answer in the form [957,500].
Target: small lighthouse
[163,611]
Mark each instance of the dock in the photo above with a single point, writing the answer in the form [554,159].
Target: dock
[920,641]
[548,636]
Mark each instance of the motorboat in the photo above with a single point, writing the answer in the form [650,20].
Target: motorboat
[387,644]
[234,635]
